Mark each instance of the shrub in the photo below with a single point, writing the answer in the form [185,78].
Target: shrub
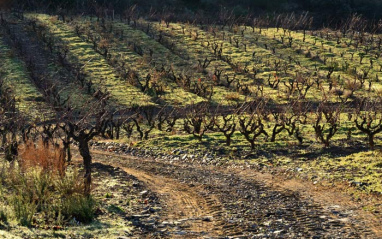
[23,208]
[3,216]
[49,158]
[79,208]
[41,189]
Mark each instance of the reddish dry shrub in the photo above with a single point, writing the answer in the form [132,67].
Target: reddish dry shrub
[49,158]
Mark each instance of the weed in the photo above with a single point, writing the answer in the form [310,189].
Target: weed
[70,184]
[79,207]
[115,209]
[24,209]
[42,156]
[3,216]
[40,189]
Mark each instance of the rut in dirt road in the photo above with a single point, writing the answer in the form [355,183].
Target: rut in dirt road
[184,205]
[239,207]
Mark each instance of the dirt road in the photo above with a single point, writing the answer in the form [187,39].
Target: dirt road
[217,202]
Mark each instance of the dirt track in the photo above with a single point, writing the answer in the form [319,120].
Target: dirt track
[182,202]
[219,203]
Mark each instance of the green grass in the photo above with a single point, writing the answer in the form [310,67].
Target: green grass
[345,160]
[35,197]
[59,77]
[30,100]
[95,66]
[317,163]
[359,167]
[333,52]
[187,51]
[193,51]
[262,45]
[173,95]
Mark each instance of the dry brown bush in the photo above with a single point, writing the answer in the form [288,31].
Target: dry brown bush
[44,156]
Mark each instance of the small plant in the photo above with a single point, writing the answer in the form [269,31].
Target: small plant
[80,208]
[326,123]
[24,210]
[368,120]
[42,190]
[197,122]
[3,216]
[115,209]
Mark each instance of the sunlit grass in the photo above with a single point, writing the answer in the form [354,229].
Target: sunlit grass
[30,100]
[95,65]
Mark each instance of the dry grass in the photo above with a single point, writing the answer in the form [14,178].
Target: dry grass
[41,189]
[233,96]
[47,157]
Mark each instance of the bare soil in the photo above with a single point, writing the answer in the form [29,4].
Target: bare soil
[216,202]
[183,203]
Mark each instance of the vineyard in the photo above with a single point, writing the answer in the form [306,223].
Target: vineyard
[263,93]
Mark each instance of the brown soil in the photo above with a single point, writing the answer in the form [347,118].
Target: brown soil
[327,196]
[182,202]
[213,202]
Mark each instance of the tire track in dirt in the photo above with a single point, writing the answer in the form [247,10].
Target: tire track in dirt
[333,199]
[250,207]
[198,213]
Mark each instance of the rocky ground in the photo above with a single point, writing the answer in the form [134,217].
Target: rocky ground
[198,198]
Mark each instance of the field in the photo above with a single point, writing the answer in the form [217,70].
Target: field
[189,129]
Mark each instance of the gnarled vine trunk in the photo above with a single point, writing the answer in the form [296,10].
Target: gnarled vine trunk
[87,160]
